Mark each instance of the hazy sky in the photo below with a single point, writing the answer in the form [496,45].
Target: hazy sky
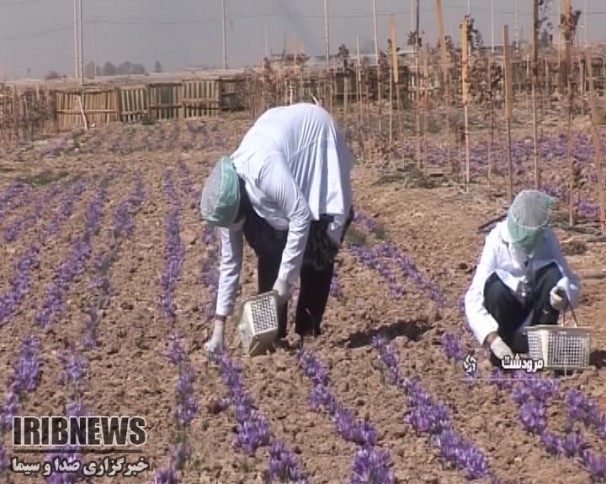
[38,34]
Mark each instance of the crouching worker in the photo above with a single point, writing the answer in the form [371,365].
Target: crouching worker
[287,191]
[522,278]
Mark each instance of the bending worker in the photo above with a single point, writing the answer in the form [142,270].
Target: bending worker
[522,278]
[286,190]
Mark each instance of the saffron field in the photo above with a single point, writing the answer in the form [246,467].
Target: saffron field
[107,287]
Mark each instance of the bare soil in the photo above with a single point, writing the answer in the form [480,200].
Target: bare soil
[129,374]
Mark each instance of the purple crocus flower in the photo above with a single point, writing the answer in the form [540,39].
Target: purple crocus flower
[284,465]
[452,347]
[166,476]
[372,466]
[428,416]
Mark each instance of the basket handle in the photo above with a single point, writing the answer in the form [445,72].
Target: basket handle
[563,294]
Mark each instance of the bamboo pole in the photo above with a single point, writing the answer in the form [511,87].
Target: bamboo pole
[358,81]
[559,47]
[16,108]
[528,74]
[465,88]
[378,67]
[376,35]
[444,65]
[394,47]
[583,81]
[346,92]
[508,110]
[417,87]
[400,117]
[597,145]
[443,51]
[393,81]
[82,113]
[492,123]
[378,70]
[568,78]
[535,81]
[345,96]
[425,102]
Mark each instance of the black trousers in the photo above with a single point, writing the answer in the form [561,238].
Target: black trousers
[315,278]
[501,302]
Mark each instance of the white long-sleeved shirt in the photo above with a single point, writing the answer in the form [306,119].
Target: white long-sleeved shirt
[513,267]
[296,166]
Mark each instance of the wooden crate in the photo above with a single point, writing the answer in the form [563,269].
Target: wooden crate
[134,103]
[165,100]
[201,97]
[101,106]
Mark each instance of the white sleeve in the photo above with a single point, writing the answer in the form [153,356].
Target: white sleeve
[570,281]
[479,319]
[232,246]
[278,185]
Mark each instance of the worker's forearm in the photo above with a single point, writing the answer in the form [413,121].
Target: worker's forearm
[292,257]
[229,271]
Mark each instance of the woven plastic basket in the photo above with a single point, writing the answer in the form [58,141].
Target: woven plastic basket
[258,323]
[560,347]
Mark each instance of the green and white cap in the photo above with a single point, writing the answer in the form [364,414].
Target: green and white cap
[220,199]
[528,217]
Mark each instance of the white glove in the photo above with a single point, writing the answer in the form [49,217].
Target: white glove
[281,287]
[557,302]
[215,343]
[500,349]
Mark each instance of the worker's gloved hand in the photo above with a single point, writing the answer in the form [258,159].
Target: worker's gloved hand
[215,343]
[281,287]
[500,349]
[557,299]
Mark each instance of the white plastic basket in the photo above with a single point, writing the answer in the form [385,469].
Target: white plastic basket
[560,347]
[258,323]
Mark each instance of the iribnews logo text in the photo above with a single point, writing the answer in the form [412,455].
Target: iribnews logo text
[86,431]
